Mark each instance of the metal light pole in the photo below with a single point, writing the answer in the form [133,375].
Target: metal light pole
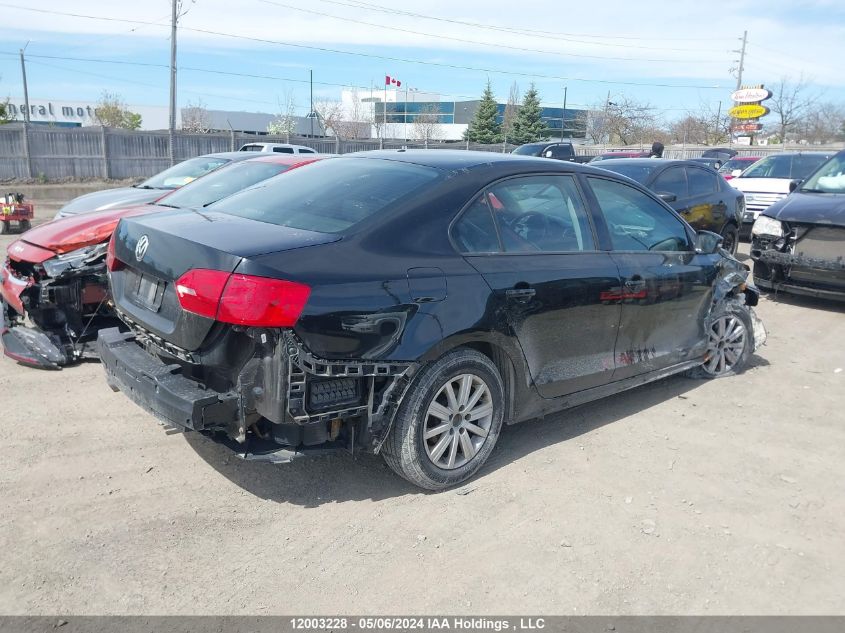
[563,115]
[172,127]
[311,112]
[25,89]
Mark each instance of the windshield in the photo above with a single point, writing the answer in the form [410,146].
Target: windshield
[223,182]
[302,200]
[634,170]
[183,173]
[829,179]
[528,150]
[736,163]
[789,166]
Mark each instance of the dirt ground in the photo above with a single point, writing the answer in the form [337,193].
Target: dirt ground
[680,497]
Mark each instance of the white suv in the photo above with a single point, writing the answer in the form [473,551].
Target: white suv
[279,148]
[767,181]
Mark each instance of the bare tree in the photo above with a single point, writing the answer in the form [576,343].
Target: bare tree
[426,125]
[511,109]
[790,103]
[356,118]
[825,123]
[195,118]
[285,123]
[704,126]
[628,121]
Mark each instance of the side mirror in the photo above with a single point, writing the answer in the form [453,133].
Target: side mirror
[707,242]
[736,172]
[548,154]
[794,184]
[666,196]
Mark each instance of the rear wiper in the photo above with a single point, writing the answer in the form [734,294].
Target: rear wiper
[144,187]
[161,204]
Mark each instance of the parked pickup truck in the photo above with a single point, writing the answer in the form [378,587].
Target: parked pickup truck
[558,151]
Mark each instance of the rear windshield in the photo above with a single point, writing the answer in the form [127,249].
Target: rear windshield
[634,170]
[330,196]
[223,182]
[791,166]
[183,173]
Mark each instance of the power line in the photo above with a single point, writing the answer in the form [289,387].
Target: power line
[497,45]
[326,49]
[357,4]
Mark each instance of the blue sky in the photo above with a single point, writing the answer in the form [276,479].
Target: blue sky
[675,56]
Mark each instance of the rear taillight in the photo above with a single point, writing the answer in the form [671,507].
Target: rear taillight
[199,291]
[242,299]
[112,262]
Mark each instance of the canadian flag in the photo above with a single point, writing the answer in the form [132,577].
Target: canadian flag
[391,81]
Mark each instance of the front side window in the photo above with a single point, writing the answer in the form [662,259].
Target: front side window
[540,213]
[636,221]
[701,181]
[674,181]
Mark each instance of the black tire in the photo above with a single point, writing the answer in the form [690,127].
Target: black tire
[5,227]
[739,312]
[730,238]
[25,225]
[406,450]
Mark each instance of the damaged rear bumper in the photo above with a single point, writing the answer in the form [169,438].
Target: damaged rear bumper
[284,404]
[156,387]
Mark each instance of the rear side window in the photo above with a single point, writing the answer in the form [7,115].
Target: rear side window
[307,151]
[250,148]
[636,221]
[330,196]
[283,150]
[540,213]
[475,232]
[701,181]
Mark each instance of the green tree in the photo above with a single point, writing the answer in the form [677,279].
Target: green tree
[484,128]
[111,111]
[528,126]
[6,115]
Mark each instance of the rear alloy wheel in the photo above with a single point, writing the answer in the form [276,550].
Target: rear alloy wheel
[730,342]
[730,238]
[448,422]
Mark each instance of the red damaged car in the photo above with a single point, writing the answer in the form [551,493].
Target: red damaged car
[56,274]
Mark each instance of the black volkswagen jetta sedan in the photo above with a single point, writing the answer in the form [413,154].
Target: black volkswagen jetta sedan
[410,302]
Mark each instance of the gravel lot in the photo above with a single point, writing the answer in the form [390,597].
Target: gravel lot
[680,497]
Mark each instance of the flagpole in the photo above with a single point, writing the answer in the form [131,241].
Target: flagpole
[384,112]
[405,127]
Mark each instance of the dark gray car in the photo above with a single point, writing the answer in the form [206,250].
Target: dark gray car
[152,188]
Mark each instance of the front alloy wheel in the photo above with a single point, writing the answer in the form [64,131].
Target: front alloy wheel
[727,345]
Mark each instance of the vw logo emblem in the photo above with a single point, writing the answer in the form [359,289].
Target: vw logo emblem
[141,247]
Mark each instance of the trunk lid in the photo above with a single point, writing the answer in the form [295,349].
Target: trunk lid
[179,241]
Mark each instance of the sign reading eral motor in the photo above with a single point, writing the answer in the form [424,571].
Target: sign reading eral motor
[751,95]
[748,111]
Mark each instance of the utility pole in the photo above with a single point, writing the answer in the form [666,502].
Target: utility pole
[25,89]
[563,115]
[311,111]
[741,60]
[172,127]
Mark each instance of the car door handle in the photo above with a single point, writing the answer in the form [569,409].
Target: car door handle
[520,294]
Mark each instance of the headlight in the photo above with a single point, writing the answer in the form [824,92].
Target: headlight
[764,225]
[75,259]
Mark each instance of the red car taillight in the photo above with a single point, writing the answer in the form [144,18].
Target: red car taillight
[112,262]
[242,299]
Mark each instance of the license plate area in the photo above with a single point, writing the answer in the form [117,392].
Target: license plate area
[146,291]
